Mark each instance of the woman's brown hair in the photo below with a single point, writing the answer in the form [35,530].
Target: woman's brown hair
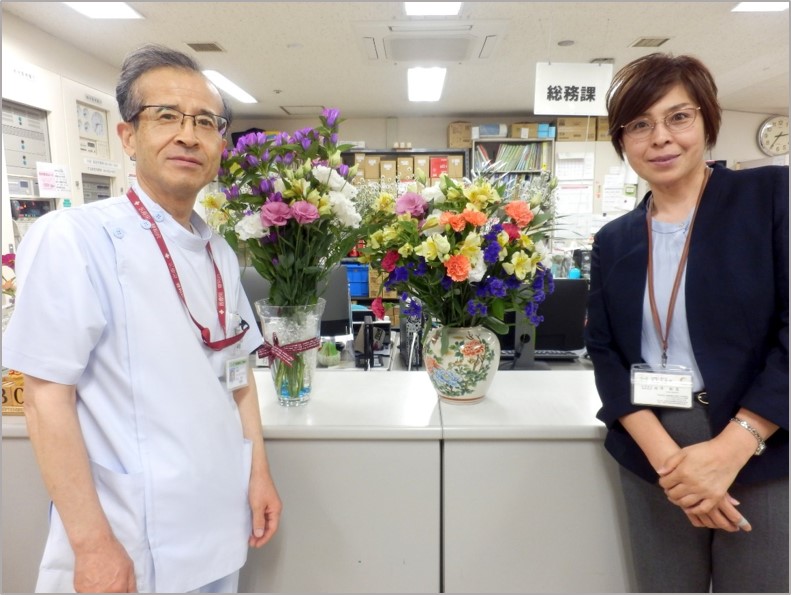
[641,83]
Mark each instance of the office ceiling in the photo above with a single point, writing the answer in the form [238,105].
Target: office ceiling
[290,55]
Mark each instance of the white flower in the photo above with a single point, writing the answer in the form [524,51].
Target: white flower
[478,271]
[250,227]
[433,193]
[279,186]
[333,180]
[344,210]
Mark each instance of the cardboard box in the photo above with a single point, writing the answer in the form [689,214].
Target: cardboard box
[602,129]
[455,166]
[460,135]
[575,122]
[421,163]
[371,167]
[387,170]
[405,168]
[437,166]
[524,130]
[359,161]
[375,283]
[574,129]
[576,134]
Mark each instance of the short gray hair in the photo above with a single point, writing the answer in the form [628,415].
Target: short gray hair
[140,61]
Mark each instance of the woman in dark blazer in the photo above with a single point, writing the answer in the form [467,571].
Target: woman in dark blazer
[704,473]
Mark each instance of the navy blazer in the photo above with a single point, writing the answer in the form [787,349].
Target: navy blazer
[737,310]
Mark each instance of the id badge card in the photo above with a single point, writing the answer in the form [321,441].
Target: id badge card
[236,373]
[654,385]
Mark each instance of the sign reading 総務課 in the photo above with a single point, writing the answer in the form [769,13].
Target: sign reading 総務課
[572,89]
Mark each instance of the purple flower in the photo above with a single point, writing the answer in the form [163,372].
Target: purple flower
[493,233]
[306,142]
[495,287]
[531,311]
[275,214]
[265,186]
[475,308]
[252,160]
[330,115]
[231,193]
[397,275]
[343,170]
[412,203]
[446,283]
[304,212]
[512,282]
[491,253]
[410,307]
[334,138]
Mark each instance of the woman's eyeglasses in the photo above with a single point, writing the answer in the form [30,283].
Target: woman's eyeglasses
[678,121]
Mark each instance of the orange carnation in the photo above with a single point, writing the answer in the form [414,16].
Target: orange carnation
[520,212]
[457,222]
[458,267]
[475,217]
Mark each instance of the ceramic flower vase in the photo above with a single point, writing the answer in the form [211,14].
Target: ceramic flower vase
[291,343]
[463,371]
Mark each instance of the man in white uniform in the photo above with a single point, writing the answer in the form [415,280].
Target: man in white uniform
[132,331]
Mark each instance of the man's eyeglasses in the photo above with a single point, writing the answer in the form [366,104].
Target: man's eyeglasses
[642,128]
[167,117]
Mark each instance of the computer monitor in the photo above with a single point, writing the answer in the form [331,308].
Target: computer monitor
[564,312]
[337,317]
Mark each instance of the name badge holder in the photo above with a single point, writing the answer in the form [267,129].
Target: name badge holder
[656,385]
[236,366]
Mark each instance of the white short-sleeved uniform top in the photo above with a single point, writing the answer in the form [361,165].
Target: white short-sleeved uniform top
[97,308]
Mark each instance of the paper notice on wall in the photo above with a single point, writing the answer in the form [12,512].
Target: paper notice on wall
[614,196]
[53,180]
[574,198]
[574,166]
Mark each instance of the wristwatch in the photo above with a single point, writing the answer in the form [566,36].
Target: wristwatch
[761,444]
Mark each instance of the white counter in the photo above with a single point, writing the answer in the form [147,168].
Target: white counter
[385,489]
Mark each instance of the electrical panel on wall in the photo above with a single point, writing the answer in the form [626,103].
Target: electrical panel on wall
[96,156]
[26,142]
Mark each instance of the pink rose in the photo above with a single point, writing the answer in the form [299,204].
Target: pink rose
[304,212]
[412,203]
[275,214]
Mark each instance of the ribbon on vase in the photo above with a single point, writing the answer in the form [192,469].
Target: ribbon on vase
[284,353]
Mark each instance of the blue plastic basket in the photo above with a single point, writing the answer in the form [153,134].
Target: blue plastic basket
[358,279]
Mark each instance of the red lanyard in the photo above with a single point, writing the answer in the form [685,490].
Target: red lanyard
[205,333]
[665,336]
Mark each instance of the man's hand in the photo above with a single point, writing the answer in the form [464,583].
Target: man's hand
[266,507]
[104,567]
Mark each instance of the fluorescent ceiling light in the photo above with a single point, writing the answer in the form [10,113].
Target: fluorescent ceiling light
[105,10]
[432,9]
[229,87]
[425,84]
[760,7]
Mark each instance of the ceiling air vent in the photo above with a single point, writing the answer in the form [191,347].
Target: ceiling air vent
[603,61]
[429,41]
[205,47]
[649,42]
[302,110]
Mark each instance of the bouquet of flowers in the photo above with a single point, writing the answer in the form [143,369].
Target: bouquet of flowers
[288,204]
[288,207]
[465,253]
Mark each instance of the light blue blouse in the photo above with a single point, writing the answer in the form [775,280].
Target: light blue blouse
[668,244]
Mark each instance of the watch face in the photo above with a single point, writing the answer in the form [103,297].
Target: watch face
[773,136]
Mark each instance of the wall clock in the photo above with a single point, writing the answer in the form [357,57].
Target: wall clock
[773,136]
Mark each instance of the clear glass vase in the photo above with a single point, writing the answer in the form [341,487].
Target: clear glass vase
[285,328]
[464,371]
